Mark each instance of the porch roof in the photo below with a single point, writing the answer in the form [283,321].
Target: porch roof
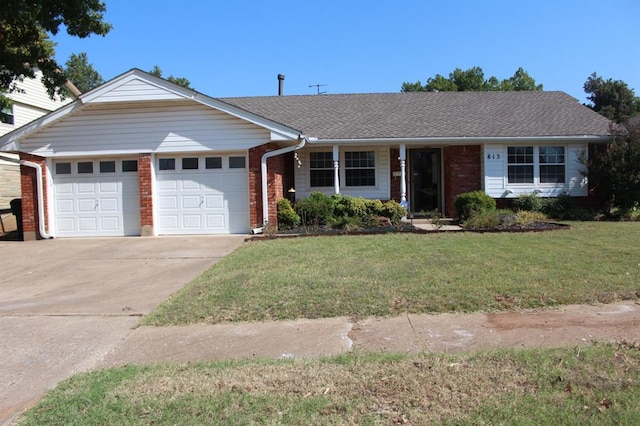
[430,115]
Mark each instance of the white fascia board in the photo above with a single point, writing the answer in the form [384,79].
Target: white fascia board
[463,140]
[11,141]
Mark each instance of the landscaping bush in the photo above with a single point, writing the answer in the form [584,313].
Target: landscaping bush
[287,216]
[482,219]
[529,203]
[469,203]
[527,217]
[394,211]
[316,209]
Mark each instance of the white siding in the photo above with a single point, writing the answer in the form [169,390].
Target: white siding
[136,90]
[496,185]
[382,189]
[176,126]
[32,92]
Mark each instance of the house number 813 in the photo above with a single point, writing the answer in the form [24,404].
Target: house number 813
[493,156]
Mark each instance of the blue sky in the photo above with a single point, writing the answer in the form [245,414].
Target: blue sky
[237,48]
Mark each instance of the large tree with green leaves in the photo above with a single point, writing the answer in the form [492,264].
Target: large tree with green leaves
[611,98]
[82,73]
[25,27]
[473,79]
[180,81]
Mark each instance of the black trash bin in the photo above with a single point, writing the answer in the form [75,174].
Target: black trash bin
[16,209]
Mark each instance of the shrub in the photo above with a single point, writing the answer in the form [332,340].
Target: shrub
[482,219]
[394,211]
[316,209]
[469,203]
[529,203]
[527,217]
[287,216]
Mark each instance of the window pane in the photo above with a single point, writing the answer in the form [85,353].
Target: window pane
[213,162]
[107,167]
[552,174]
[321,160]
[129,165]
[520,154]
[85,167]
[236,162]
[167,164]
[320,178]
[360,177]
[520,174]
[6,115]
[551,155]
[359,159]
[63,168]
[190,163]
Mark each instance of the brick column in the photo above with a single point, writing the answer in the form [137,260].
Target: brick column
[276,168]
[29,189]
[145,183]
[462,173]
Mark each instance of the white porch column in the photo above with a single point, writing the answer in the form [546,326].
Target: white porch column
[403,175]
[336,169]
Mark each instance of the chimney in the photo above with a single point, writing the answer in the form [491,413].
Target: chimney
[280,84]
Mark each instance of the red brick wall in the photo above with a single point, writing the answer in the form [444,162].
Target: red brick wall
[29,188]
[276,167]
[145,183]
[395,180]
[462,173]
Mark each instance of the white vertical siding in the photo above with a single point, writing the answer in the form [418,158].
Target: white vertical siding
[174,126]
[382,189]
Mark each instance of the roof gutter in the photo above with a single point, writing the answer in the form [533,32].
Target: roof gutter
[40,189]
[302,141]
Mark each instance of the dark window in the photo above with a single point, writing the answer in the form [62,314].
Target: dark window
[360,168]
[85,166]
[190,163]
[552,164]
[129,165]
[321,169]
[6,115]
[107,167]
[63,168]
[213,162]
[520,164]
[167,164]
[236,162]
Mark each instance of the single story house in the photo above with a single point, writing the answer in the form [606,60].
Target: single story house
[142,156]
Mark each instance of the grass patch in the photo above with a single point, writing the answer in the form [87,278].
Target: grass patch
[389,274]
[595,385]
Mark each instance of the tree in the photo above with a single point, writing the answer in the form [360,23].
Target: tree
[180,81]
[473,80]
[81,73]
[611,98]
[615,172]
[24,36]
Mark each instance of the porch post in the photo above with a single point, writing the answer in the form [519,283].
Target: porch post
[336,169]
[403,175]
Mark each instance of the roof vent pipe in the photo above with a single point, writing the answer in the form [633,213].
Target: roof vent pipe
[280,84]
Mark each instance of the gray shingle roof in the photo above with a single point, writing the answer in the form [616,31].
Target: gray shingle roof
[429,114]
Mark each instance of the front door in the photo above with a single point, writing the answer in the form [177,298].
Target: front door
[424,180]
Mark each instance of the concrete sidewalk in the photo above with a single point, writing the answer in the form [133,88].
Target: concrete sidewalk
[450,333]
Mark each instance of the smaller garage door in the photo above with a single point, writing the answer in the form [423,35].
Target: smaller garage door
[203,194]
[96,198]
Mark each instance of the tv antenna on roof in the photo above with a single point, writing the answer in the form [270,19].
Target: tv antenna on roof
[318,86]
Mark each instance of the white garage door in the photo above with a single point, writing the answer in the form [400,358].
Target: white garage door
[203,195]
[96,198]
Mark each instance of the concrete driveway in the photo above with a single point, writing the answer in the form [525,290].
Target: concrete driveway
[66,303]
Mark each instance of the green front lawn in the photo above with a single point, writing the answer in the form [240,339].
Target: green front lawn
[389,274]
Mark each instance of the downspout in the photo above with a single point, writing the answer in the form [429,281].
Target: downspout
[40,189]
[263,171]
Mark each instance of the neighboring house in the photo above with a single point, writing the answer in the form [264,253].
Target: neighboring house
[30,101]
[142,156]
